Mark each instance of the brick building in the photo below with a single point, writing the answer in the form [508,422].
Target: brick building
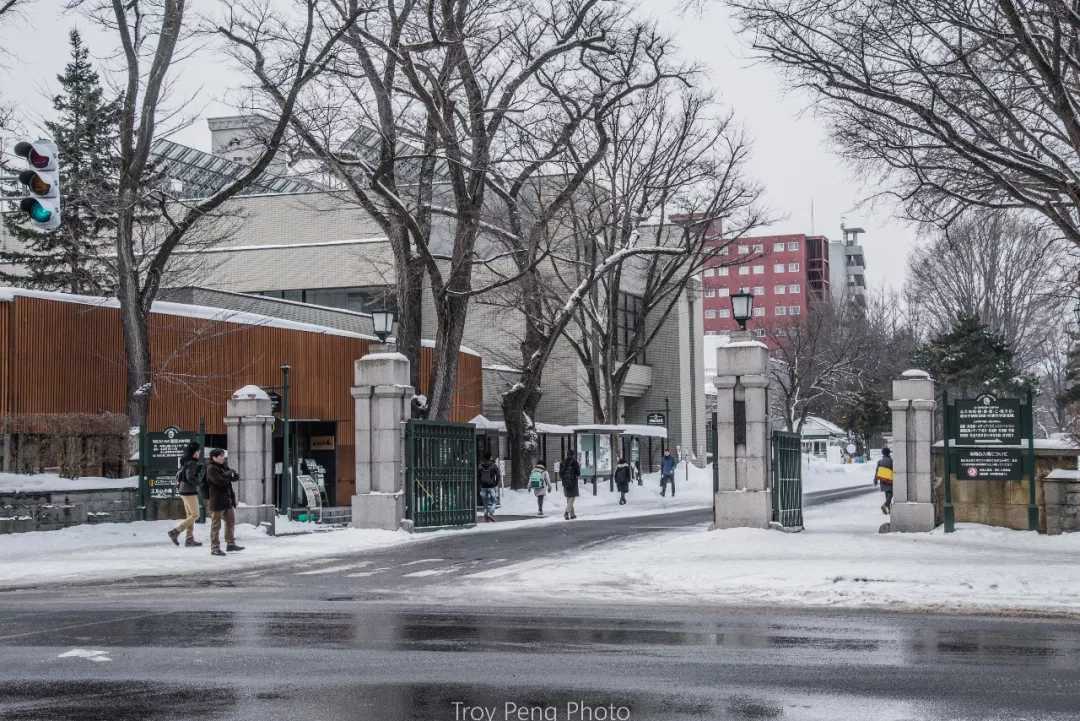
[783,272]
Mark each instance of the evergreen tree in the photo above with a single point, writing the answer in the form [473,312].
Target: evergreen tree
[1071,394]
[970,359]
[85,131]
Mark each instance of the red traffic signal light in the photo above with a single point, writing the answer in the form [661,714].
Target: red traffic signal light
[36,158]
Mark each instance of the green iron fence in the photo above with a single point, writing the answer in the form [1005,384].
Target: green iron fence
[440,476]
[787,479]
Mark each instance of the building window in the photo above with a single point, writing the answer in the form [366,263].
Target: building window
[778,247]
[794,310]
[723,292]
[793,245]
[759,312]
[759,269]
[795,289]
[781,310]
[627,319]
[744,290]
[780,289]
[723,251]
[725,313]
[793,267]
[744,249]
[744,270]
[722,272]
[710,272]
[778,268]
[759,332]
[759,290]
[710,314]
[710,293]
[759,248]
[360,299]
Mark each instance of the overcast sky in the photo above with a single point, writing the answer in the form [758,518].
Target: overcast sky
[792,158]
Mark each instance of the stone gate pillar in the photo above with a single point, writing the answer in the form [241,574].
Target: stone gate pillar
[249,425]
[913,433]
[744,498]
[383,397]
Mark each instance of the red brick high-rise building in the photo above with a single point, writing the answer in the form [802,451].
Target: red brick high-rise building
[783,272]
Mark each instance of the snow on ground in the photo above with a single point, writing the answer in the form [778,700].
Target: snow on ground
[822,476]
[840,560]
[124,550]
[39,482]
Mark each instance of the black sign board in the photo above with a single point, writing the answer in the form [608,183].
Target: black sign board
[164,451]
[656,419]
[988,420]
[989,464]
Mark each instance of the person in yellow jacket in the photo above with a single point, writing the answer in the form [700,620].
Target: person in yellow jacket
[883,475]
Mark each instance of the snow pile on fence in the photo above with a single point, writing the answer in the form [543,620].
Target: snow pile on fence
[52,483]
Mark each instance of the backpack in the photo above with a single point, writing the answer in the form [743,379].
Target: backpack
[489,476]
[536,478]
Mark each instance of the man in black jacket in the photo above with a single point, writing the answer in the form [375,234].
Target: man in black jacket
[222,503]
[191,476]
[489,479]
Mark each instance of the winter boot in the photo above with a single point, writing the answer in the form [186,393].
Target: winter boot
[217,552]
[191,543]
[884,509]
[566,516]
[174,536]
[233,548]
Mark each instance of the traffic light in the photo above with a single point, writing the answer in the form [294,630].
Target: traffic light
[42,179]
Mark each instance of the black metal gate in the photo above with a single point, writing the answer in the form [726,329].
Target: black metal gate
[787,479]
[440,475]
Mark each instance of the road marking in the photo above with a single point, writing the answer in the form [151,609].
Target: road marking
[432,572]
[424,560]
[95,655]
[333,569]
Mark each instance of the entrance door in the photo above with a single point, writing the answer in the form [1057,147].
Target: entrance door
[787,479]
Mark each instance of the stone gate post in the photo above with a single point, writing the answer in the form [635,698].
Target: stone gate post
[383,400]
[744,498]
[913,433]
[249,425]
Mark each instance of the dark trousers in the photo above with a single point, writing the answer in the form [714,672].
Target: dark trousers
[888,495]
[664,480]
[216,518]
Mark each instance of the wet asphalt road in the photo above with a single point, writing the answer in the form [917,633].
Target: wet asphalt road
[361,643]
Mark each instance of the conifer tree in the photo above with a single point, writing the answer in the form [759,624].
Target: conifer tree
[971,358]
[85,132]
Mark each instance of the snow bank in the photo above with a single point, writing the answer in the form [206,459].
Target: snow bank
[821,476]
[125,550]
[45,482]
[840,560]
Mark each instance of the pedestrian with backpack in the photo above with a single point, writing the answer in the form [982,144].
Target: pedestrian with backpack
[622,480]
[883,476]
[222,503]
[539,484]
[667,473]
[569,473]
[190,478]
[489,479]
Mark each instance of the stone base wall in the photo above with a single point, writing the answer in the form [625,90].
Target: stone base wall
[53,510]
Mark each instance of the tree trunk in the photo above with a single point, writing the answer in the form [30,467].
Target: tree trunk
[519,404]
[409,289]
[137,352]
[450,310]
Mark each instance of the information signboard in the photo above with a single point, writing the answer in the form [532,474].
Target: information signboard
[989,464]
[987,420]
[164,453]
[656,419]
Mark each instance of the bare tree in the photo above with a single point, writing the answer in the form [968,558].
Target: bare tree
[975,103]
[674,172]
[151,35]
[1009,271]
[818,360]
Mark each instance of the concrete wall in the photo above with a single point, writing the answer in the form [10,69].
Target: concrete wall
[53,510]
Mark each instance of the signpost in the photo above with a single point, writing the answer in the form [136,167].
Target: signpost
[163,453]
[983,443]
[656,419]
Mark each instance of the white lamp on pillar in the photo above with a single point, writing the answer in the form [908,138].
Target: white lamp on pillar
[383,322]
[741,306]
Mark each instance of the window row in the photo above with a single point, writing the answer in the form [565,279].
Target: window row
[780,310]
[748,248]
[751,270]
[793,289]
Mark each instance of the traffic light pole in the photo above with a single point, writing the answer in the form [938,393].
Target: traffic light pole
[286,458]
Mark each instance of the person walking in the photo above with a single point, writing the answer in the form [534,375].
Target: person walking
[667,473]
[622,480]
[222,503]
[191,476]
[540,484]
[883,475]
[489,478]
[569,473]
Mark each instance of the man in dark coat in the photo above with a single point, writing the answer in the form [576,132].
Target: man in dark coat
[489,479]
[622,480]
[222,503]
[569,473]
[191,476]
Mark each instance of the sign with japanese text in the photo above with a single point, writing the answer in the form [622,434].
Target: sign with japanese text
[989,464]
[988,420]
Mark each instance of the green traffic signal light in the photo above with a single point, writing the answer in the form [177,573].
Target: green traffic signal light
[37,211]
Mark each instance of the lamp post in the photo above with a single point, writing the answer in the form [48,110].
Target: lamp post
[286,457]
[382,322]
[742,304]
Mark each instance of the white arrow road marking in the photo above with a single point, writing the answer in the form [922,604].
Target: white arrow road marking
[89,654]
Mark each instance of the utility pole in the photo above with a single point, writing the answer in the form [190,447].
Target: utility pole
[286,457]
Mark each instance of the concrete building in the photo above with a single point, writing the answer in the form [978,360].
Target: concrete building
[783,272]
[847,267]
